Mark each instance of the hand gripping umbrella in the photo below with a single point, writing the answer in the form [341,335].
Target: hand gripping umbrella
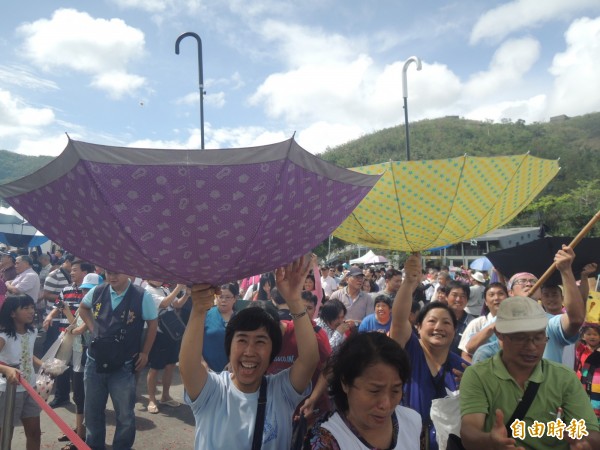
[185,215]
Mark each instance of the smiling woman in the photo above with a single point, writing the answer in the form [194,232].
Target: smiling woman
[366,376]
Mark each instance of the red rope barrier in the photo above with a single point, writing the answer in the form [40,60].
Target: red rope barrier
[73,437]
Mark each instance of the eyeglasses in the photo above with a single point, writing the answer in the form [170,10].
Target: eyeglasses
[226,297]
[521,339]
[522,281]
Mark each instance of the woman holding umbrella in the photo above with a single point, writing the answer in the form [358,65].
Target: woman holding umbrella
[434,367]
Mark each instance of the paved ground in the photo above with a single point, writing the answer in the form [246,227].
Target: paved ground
[171,428]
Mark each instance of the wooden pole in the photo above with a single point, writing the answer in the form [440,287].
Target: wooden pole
[576,240]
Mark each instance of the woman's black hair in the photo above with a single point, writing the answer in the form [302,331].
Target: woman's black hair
[10,305]
[265,277]
[359,351]
[382,298]
[434,305]
[234,288]
[312,277]
[310,297]
[331,309]
[253,318]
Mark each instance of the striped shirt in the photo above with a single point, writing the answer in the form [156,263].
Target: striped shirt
[55,282]
[71,295]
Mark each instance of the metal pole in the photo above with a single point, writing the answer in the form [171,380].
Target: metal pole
[9,411]
[410,60]
[200,78]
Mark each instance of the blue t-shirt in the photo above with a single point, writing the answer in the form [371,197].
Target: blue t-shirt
[225,416]
[213,349]
[557,341]
[149,310]
[424,387]
[370,323]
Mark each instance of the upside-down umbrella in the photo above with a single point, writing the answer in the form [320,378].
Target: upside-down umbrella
[419,205]
[536,256]
[186,215]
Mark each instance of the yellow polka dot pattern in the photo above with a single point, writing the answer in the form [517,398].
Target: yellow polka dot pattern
[419,205]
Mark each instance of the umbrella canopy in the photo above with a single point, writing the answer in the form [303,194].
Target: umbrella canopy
[418,205]
[536,256]
[186,215]
[16,232]
[369,258]
[481,264]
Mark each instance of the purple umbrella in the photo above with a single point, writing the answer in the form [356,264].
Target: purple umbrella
[186,215]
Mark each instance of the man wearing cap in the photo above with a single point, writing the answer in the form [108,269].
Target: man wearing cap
[562,329]
[476,299]
[26,281]
[7,265]
[359,304]
[490,391]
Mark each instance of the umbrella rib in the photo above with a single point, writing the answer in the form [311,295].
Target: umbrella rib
[462,169]
[399,207]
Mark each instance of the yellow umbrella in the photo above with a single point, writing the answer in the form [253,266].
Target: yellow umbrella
[418,205]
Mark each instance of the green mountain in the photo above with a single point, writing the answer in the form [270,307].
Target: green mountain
[14,166]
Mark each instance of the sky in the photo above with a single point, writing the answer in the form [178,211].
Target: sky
[328,71]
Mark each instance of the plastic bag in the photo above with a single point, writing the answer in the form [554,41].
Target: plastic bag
[445,415]
[54,367]
[44,384]
[62,348]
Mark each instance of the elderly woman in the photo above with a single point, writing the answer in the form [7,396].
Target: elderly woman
[331,319]
[434,366]
[215,324]
[366,376]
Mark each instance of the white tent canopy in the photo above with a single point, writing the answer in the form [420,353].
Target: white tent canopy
[369,258]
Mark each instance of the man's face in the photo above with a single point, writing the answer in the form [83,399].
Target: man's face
[522,285]
[457,300]
[552,299]
[493,297]
[77,274]
[249,358]
[6,261]
[332,271]
[20,265]
[442,279]
[356,281]
[523,350]
[393,284]
[367,274]
[118,281]
[310,308]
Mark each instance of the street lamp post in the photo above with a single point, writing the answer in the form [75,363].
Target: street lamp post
[200,78]
[410,60]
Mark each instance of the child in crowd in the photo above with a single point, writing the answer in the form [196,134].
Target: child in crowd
[17,339]
[587,360]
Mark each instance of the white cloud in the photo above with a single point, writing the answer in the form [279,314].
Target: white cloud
[576,70]
[23,77]
[523,14]
[320,135]
[74,40]
[19,119]
[50,145]
[510,62]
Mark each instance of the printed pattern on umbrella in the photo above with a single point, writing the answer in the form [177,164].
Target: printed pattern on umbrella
[419,205]
[188,215]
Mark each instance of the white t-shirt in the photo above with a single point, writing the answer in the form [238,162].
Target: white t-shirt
[19,351]
[225,416]
[474,327]
[409,431]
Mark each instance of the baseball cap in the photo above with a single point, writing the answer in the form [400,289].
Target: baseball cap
[90,281]
[13,255]
[520,314]
[355,272]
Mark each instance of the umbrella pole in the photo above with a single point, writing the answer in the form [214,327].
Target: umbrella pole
[417,61]
[200,78]
[576,240]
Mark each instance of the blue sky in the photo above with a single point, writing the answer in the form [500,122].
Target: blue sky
[329,70]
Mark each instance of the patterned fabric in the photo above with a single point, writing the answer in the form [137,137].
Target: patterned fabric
[590,378]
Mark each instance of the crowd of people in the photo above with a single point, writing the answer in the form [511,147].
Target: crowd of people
[312,357]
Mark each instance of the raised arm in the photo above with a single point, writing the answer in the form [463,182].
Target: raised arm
[584,285]
[193,372]
[290,280]
[572,320]
[401,328]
